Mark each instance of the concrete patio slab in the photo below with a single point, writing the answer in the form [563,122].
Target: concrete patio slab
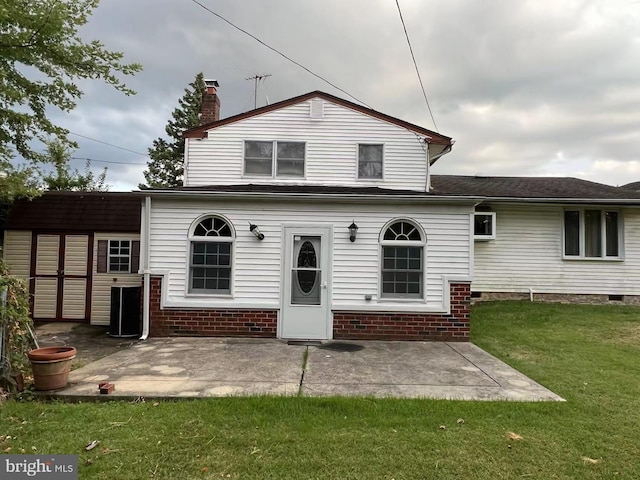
[417,369]
[215,367]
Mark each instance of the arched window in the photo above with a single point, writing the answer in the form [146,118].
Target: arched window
[210,263]
[402,244]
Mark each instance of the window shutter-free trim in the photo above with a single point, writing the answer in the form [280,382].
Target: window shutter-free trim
[135,256]
[103,246]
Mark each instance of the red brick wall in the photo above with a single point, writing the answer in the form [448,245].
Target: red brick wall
[346,325]
[408,326]
[208,322]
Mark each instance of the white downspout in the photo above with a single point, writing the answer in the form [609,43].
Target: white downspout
[427,186]
[146,218]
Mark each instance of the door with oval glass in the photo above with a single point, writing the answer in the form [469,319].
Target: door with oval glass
[305,310]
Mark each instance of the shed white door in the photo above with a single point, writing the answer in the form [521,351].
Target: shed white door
[305,312]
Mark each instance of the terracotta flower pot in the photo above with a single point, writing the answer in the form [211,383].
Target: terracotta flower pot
[51,366]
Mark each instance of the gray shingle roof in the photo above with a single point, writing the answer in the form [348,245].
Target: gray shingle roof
[528,188]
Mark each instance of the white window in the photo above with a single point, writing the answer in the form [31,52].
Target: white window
[370,161]
[286,159]
[119,259]
[210,258]
[592,233]
[484,225]
[402,261]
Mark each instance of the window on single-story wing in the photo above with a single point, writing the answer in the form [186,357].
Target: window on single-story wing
[402,244]
[262,158]
[370,161]
[592,233]
[484,225]
[210,260]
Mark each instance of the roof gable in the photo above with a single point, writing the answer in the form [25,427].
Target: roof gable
[431,136]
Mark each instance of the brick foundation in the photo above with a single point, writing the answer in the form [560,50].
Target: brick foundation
[586,299]
[408,326]
[346,325]
[208,322]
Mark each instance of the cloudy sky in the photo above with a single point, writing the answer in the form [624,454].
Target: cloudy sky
[540,87]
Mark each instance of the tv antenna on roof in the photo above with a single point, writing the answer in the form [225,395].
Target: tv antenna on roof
[257,79]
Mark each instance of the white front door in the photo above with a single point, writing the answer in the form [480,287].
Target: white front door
[305,312]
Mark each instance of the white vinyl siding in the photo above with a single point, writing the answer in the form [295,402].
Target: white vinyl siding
[331,149]
[355,265]
[17,252]
[528,253]
[102,282]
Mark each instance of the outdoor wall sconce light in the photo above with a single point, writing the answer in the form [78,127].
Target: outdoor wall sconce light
[253,228]
[353,229]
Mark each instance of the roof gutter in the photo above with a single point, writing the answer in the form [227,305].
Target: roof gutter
[313,196]
[603,201]
[447,149]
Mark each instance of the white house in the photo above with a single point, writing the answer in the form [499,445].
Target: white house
[311,218]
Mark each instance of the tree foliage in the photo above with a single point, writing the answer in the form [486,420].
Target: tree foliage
[41,58]
[166,167]
[14,317]
[67,179]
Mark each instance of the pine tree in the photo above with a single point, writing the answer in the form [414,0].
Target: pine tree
[166,167]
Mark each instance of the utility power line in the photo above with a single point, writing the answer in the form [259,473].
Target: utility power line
[109,144]
[107,161]
[279,53]
[416,65]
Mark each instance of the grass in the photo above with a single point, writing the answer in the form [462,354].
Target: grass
[587,354]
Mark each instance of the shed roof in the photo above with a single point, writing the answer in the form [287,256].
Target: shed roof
[77,212]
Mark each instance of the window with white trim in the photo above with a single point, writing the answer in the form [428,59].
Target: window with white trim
[484,225]
[210,257]
[592,233]
[370,161]
[402,269]
[119,257]
[262,158]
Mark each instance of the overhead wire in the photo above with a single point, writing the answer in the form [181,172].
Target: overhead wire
[424,93]
[320,77]
[107,161]
[109,144]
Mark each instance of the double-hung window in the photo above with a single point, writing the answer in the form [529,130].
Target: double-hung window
[262,158]
[402,261]
[370,161]
[592,233]
[119,256]
[210,258]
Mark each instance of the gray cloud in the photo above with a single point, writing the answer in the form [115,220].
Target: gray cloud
[525,88]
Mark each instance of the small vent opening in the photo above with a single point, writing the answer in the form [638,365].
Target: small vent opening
[476,294]
[317,109]
[616,298]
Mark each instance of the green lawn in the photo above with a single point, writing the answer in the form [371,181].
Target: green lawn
[587,354]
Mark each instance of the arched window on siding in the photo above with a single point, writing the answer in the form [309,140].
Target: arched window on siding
[402,272]
[210,258]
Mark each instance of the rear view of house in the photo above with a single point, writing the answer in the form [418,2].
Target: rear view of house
[311,218]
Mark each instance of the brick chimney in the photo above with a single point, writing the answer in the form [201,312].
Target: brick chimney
[210,110]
